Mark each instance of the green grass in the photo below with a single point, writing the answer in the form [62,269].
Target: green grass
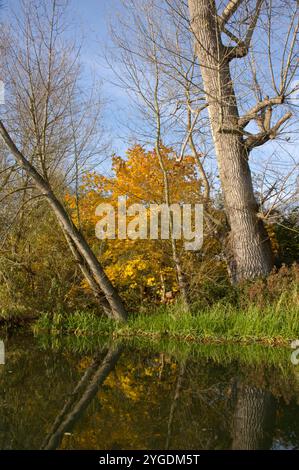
[272,324]
[222,354]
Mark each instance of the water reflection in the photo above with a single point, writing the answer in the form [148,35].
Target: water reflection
[122,397]
[84,392]
[174,403]
[254,418]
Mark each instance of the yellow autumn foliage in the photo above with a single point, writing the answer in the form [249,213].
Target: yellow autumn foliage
[139,268]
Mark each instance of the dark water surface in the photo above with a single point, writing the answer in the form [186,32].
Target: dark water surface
[57,394]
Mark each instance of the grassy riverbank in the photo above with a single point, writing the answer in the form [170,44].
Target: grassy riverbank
[273,324]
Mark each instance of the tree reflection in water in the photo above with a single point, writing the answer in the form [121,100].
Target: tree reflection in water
[254,418]
[56,396]
[84,392]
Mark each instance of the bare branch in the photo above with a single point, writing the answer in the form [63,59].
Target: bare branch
[228,12]
[259,139]
[253,112]
[242,48]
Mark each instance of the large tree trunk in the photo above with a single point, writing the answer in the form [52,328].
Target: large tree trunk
[254,419]
[94,267]
[250,243]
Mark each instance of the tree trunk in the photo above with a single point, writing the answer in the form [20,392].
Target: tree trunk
[97,292]
[175,255]
[95,268]
[251,245]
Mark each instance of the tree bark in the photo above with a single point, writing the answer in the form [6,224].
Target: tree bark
[95,268]
[251,245]
[97,292]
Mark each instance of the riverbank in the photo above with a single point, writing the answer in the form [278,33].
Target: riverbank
[221,323]
[17,321]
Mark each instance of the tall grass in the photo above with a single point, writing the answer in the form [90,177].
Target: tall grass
[265,311]
[219,323]
[78,323]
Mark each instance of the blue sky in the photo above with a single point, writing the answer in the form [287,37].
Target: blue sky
[92,18]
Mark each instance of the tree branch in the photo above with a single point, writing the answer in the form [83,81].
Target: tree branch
[242,48]
[261,138]
[228,12]
[253,112]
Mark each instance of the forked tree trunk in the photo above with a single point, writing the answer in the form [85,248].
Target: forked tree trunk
[250,243]
[94,267]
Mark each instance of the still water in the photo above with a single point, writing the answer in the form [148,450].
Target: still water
[57,394]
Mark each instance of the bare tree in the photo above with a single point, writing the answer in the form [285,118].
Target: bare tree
[248,106]
[156,65]
[222,33]
[54,126]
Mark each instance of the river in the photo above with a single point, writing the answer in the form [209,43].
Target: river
[68,393]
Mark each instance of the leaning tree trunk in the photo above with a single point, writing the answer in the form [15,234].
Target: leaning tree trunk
[94,267]
[250,243]
[97,292]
